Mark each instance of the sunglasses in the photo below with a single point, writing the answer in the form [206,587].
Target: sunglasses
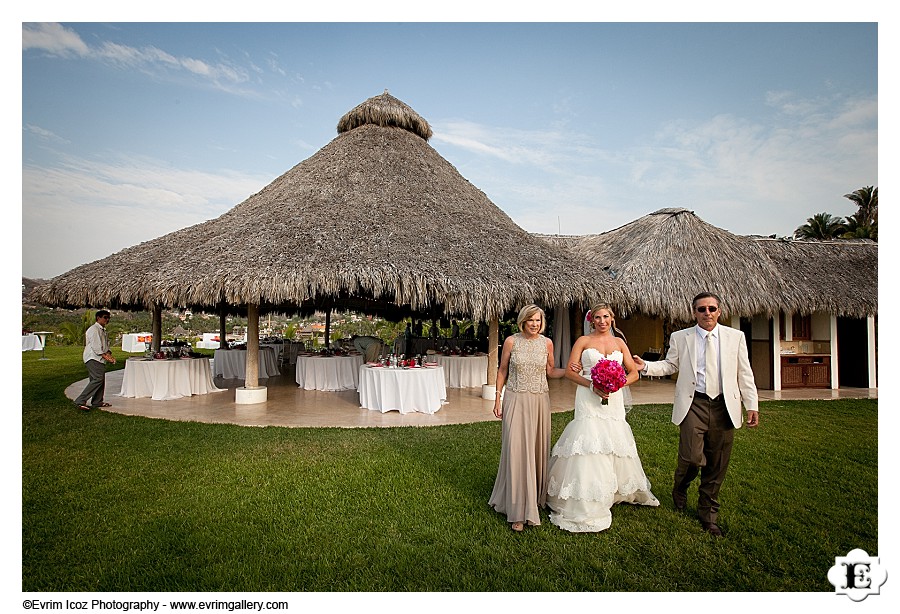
[704,309]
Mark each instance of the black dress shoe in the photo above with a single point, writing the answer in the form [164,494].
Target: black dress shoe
[680,500]
[713,529]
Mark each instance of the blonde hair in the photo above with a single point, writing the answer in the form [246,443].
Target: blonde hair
[612,314]
[527,311]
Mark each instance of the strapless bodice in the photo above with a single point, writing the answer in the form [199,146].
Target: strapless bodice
[591,356]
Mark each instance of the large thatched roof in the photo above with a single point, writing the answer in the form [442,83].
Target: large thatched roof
[664,259]
[375,216]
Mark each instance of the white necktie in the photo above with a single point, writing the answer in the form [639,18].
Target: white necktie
[712,368]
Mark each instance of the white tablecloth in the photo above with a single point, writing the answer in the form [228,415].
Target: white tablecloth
[136,342]
[232,364]
[405,390]
[329,374]
[31,342]
[164,380]
[276,347]
[463,371]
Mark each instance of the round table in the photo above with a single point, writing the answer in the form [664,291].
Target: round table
[463,371]
[405,390]
[31,342]
[328,373]
[165,380]
[232,364]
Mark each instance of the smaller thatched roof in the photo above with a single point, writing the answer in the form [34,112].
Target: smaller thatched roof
[664,259]
[839,277]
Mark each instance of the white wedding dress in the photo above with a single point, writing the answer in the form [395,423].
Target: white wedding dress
[595,463]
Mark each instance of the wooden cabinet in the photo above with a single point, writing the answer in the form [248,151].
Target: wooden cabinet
[801,327]
[806,371]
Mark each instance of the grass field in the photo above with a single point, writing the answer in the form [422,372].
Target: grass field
[117,503]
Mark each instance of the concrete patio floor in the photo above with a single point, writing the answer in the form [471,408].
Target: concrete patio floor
[291,406]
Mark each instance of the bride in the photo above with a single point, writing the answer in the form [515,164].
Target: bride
[595,463]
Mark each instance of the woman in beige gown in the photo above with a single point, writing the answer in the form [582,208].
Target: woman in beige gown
[525,364]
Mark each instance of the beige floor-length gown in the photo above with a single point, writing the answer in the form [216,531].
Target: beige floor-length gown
[521,485]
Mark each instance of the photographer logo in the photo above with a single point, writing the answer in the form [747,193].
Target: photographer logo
[857,575]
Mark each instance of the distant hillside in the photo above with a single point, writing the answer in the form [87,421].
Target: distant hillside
[30,284]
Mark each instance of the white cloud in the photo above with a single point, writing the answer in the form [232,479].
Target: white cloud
[54,39]
[58,40]
[43,134]
[751,176]
[136,199]
[550,150]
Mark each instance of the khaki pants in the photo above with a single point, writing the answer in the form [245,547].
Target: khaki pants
[704,447]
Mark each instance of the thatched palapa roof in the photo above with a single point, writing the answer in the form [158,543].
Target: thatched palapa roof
[839,277]
[664,259]
[375,216]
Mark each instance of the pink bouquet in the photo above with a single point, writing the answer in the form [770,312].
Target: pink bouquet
[608,375]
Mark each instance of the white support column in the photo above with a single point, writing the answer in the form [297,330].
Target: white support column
[252,392]
[873,368]
[835,384]
[776,351]
[489,390]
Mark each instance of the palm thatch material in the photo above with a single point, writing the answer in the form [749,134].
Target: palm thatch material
[376,216]
[664,259]
[838,277]
[385,110]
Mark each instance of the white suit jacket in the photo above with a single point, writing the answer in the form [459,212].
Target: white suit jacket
[734,363]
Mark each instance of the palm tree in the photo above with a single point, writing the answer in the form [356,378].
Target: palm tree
[864,223]
[820,227]
[856,227]
[73,332]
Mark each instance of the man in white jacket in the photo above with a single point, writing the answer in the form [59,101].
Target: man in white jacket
[707,407]
[96,354]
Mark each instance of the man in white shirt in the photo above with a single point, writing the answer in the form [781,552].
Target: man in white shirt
[96,354]
[707,407]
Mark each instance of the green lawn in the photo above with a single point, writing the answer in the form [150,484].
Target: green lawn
[117,503]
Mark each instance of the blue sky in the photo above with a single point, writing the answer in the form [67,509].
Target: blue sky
[133,130]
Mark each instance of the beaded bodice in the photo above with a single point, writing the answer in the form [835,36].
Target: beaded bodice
[528,365]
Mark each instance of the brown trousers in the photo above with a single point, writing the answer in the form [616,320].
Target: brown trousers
[704,447]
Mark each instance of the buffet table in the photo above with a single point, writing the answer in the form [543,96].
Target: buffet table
[329,373]
[165,380]
[463,371]
[232,364]
[405,390]
[31,342]
[136,342]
